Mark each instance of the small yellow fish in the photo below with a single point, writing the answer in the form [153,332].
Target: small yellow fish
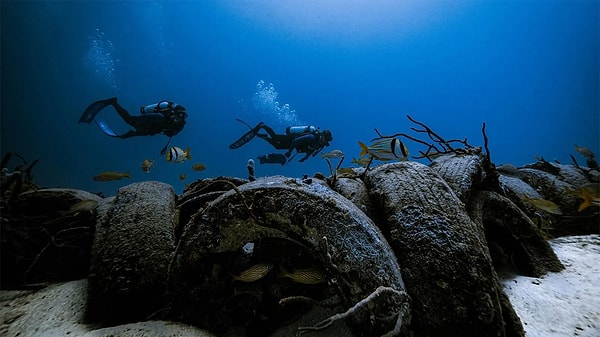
[363,162]
[333,154]
[147,164]
[385,149]
[182,176]
[177,155]
[305,276]
[198,167]
[590,194]
[346,172]
[584,151]
[542,204]
[110,176]
[254,273]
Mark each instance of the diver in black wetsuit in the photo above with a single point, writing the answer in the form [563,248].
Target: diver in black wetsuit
[162,117]
[304,139]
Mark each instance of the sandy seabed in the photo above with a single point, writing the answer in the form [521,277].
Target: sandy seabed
[566,303]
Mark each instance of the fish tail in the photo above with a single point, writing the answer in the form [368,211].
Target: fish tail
[585,204]
[283,272]
[364,148]
[187,153]
[587,201]
[127,174]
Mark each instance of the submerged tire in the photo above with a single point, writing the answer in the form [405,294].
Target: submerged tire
[444,257]
[275,240]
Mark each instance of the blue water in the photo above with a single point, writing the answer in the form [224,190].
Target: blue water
[528,69]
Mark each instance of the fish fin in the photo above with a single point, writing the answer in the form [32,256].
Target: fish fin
[587,201]
[187,153]
[364,148]
[404,150]
[585,204]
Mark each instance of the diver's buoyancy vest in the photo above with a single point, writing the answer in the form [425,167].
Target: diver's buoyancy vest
[162,106]
[297,130]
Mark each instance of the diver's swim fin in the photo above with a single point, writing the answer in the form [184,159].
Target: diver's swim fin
[105,127]
[272,158]
[248,136]
[92,110]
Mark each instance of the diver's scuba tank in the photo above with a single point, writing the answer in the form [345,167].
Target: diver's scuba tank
[162,106]
[297,130]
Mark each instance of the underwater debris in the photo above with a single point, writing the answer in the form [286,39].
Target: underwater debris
[20,179]
[380,297]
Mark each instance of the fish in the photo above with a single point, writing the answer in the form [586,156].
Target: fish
[110,176]
[254,273]
[305,276]
[147,164]
[385,149]
[542,205]
[509,169]
[590,194]
[333,154]
[182,176]
[363,162]
[584,151]
[198,167]
[86,205]
[346,172]
[177,155]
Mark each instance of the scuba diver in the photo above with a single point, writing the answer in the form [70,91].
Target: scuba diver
[304,139]
[162,117]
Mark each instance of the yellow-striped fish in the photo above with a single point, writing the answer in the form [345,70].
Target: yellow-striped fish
[254,273]
[110,176]
[361,161]
[305,276]
[542,204]
[333,154]
[385,149]
[198,167]
[590,194]
[584,151]
[177,155]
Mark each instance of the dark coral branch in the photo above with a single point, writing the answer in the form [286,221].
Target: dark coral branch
[439,145]
[485,142]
